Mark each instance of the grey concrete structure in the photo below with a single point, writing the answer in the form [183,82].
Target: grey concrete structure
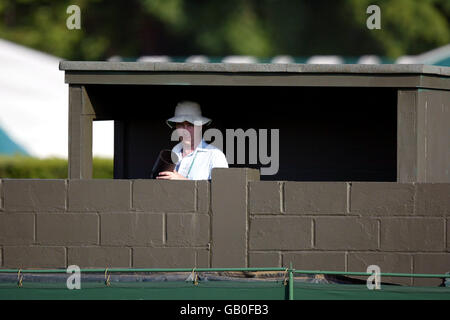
[364,173]
[352,123]
[230,220]
[234,220]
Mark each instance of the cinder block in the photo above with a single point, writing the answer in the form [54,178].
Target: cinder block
[229,215]
[265,197]
[67,228]
[34,195]
[202,259]
[329,261]
[430,263]
[34,257]
[315,197]
[16,228]
[186,229]
[412,234]
[99,257]
[280,233]
[264,259]
[99,195]
[432,199]
[382,198]
[164,258]
[203,196]
[164,195]
[131,229]
[388,263]
[346,233]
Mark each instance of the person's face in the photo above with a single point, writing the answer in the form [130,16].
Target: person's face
[187,131]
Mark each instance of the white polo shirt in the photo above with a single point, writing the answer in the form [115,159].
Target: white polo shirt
[198,164]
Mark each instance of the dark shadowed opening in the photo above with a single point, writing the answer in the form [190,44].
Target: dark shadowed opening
[325,134]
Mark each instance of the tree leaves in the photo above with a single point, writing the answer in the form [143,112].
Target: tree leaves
[246,27]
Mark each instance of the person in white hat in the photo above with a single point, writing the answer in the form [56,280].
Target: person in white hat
[196,158]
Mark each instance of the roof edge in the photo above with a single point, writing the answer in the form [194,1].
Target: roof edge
[256,67]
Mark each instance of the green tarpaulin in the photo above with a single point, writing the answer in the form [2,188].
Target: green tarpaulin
[218,290]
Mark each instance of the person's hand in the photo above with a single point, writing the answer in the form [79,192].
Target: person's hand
[170,175]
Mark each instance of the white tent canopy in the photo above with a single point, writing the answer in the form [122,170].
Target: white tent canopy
[34,104]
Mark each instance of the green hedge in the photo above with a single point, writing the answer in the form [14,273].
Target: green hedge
[22,167]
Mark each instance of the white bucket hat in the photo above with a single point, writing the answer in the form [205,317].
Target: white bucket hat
[188,111]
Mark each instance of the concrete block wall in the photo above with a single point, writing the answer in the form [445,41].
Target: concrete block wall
[347,226]
[104,223]
[235,220]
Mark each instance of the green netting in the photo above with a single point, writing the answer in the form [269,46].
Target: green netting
[176,290]
[320,291]
[210,284]
[217,290]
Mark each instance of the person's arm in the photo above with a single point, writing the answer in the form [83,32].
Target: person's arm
[170,175]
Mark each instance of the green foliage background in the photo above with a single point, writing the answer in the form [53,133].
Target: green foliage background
[22,167]
[261,28]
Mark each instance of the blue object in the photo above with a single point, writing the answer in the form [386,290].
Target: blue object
[8,146]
